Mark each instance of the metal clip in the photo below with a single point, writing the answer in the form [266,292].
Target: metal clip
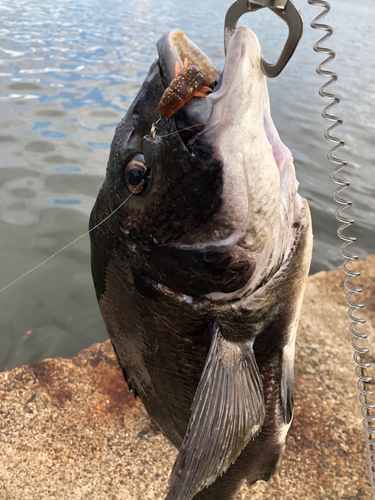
[284,9]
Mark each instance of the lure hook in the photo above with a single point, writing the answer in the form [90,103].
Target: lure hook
[286,10]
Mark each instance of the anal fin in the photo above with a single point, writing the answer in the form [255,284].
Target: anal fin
[227,412]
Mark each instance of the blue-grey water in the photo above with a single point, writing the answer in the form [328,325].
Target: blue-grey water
[69,71]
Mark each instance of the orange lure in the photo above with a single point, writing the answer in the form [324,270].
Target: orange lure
[186,84]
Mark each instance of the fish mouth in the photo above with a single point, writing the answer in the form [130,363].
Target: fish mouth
[175,47]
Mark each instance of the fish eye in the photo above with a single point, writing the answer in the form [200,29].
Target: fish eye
[134,174]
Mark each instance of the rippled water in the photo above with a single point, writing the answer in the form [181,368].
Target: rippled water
[69,71]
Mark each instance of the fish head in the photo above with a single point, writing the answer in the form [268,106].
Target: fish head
[218,204]
[182,188]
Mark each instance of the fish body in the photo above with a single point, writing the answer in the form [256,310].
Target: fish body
[200,276]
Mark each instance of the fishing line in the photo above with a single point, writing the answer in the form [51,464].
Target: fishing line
[181,130]
[66,246]
[90,230]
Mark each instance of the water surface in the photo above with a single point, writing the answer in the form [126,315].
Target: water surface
[69,71]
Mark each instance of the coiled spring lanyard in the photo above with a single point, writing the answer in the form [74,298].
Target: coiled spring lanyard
[367,406]
[287,11]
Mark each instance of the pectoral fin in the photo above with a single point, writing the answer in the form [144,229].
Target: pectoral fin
[228,410]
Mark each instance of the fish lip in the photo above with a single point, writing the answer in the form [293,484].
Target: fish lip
[175,46]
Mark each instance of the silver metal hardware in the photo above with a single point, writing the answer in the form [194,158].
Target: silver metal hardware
[286,10]
[368,406]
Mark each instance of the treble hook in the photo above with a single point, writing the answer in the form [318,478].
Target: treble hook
[284,9]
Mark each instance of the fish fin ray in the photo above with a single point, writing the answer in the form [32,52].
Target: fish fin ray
[227,412]
[287,384]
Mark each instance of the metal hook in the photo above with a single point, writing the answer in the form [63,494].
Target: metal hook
[284,9]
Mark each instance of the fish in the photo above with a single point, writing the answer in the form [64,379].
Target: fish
[200,273]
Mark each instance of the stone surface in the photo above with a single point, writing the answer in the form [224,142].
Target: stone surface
[69,429]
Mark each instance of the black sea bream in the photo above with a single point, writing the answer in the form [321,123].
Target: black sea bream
[200,275]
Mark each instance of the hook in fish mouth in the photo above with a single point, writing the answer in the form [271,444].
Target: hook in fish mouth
[177,49]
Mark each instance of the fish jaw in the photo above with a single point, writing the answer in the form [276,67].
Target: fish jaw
[259,204]
[241,129]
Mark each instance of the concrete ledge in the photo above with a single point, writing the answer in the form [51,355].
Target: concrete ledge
[69,429]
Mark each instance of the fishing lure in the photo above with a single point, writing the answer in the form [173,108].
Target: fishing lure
[186,84]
